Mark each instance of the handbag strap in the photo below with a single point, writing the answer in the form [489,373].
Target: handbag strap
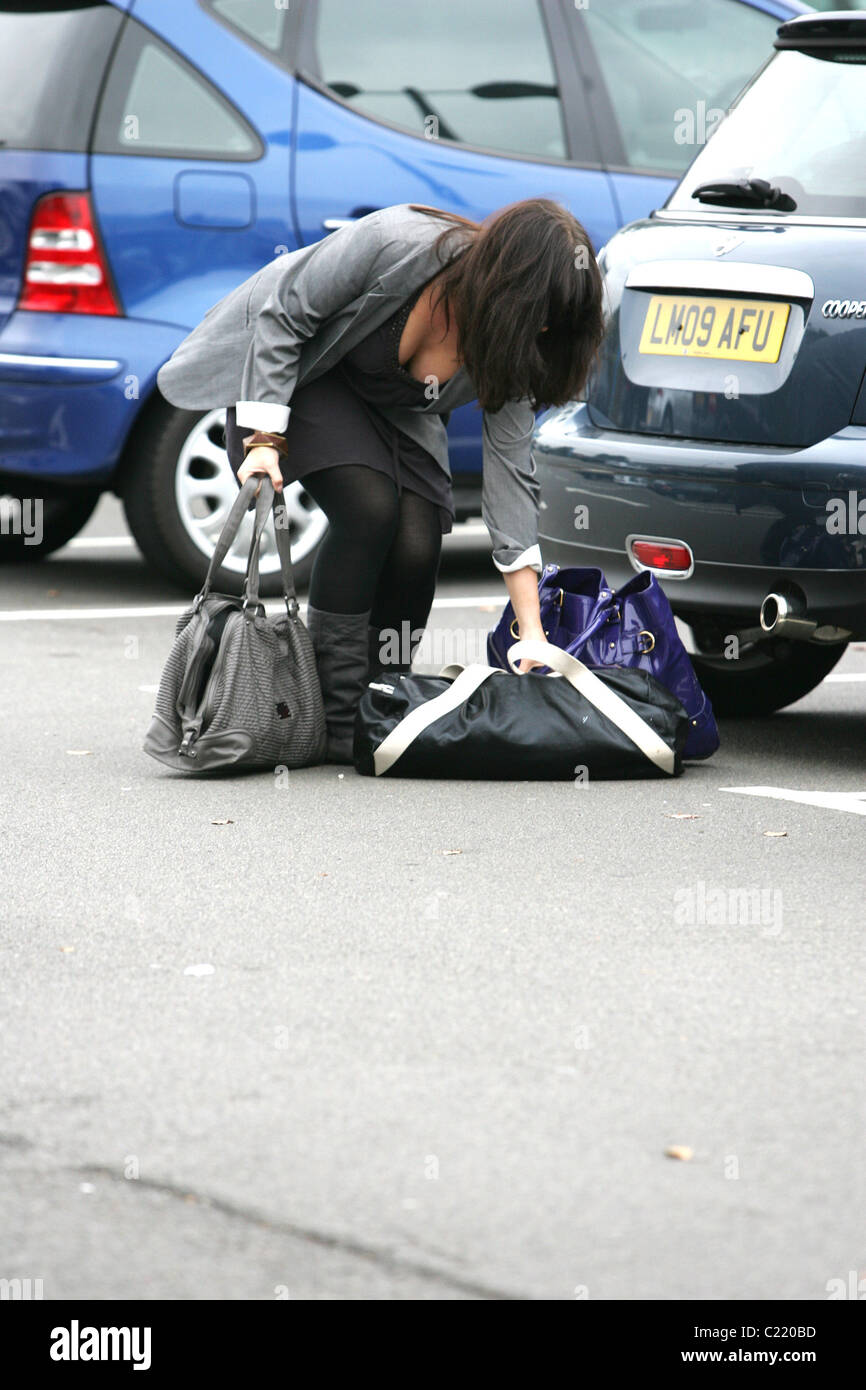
[276,501]
[264,501]
[231,526]
[600,620]
[395,743]
[262,489]
[605,700]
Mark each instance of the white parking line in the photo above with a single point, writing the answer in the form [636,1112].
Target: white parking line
[847,676]
[465,528]
[98,542]
[830,801]
[48,615]
[173,610]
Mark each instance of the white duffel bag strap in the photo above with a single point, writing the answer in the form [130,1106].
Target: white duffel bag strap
[417,720]
[605,700]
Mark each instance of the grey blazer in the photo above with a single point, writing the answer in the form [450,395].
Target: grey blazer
[292,320]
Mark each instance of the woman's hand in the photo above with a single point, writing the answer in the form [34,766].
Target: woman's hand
[536,633]
[522,586]
[262,459]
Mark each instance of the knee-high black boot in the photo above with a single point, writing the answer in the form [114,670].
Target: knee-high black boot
[340,643]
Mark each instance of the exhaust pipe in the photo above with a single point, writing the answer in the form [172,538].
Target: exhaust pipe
[784,615]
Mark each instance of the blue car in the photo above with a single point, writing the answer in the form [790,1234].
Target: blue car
[722,440]
[154,154]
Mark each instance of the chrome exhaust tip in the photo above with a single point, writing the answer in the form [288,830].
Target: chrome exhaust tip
[784,615]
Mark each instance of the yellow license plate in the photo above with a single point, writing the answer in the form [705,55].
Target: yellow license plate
[747,330]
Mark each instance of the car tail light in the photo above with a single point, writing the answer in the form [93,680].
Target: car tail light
[673,558]
[66,271]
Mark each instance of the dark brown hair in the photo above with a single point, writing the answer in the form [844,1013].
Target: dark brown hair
[527,267]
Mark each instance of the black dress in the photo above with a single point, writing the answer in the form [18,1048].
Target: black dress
[333,420]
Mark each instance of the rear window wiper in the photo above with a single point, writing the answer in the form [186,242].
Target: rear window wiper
[745,193]
[508,91]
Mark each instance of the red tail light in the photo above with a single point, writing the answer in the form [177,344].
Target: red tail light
[66,271]
[668,557]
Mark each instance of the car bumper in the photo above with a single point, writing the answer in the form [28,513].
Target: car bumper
[71,386]
[755,518]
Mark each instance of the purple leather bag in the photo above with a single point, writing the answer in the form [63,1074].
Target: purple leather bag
[632,626]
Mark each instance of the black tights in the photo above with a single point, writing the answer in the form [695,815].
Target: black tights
[381,550]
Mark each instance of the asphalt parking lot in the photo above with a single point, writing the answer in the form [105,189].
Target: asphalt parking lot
[336,1038]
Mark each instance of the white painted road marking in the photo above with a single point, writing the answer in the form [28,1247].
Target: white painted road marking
[173,610]
[466,528]
[98,543]
[47,615]
[830,801]
[847,676]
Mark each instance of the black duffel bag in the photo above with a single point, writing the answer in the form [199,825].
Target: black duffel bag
[482,722]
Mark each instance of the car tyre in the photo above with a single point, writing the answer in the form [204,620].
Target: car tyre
[177,462]
[767,676]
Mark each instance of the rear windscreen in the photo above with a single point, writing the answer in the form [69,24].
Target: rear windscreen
[52,60]
[801,126]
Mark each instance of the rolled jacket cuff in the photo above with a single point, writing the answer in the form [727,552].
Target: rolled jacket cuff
[530,556]
[262,415]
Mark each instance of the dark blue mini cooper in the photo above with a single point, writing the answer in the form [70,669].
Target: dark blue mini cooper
[722,441]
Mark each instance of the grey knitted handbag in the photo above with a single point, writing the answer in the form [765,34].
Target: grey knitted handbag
[240,689]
